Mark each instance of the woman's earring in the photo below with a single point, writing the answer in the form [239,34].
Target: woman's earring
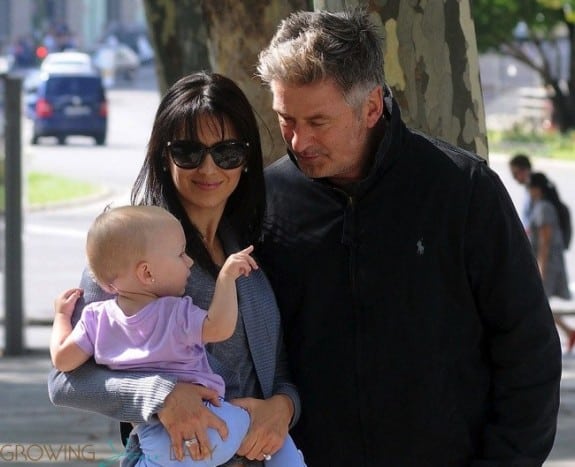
[245,169]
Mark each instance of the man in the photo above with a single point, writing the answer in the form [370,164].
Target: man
[520,167]
[417,328]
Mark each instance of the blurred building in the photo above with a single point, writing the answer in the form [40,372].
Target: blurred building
[83,23]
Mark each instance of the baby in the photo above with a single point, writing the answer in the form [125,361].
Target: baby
[138,253]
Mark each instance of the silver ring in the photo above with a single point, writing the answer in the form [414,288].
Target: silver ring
[190,442]
[267,457]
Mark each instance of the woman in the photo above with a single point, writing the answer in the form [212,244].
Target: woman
[204,165]
[548,245]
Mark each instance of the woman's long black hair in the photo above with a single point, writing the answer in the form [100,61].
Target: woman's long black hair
[548,190]
[186,102]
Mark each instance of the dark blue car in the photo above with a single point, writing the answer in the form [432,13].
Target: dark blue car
[70,104]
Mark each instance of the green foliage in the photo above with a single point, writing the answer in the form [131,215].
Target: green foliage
[553,145]
[496,20]
[533,32]
[567,6]
[45,189]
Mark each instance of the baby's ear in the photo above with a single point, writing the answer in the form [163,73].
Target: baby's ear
[144,274]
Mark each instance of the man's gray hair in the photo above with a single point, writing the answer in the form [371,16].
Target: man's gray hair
[311,46]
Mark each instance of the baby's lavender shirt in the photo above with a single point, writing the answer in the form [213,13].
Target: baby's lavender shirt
[164,337]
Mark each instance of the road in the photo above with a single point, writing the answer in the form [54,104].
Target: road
[53,239]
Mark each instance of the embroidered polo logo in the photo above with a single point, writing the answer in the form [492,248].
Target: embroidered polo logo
[420,247]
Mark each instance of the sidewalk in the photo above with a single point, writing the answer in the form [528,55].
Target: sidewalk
[34,432]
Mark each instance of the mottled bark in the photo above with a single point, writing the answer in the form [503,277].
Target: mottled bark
[431,60]
[335,5]
[432,65]
[237,32]
[178,35]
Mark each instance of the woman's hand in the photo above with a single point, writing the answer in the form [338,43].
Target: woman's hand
[269,425]
[185,417]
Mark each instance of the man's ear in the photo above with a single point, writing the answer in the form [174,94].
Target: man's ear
[374,106]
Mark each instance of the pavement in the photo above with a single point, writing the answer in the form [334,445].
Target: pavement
[34,432]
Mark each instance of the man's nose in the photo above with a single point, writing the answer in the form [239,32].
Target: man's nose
[300,138]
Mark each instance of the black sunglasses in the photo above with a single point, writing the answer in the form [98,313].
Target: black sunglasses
[229,154]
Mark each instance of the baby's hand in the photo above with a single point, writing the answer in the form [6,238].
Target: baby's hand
[239,264]
[65,302]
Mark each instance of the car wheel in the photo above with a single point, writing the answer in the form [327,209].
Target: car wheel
[35,139]
[61,140]
[100,140]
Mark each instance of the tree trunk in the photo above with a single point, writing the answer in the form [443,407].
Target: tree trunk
[178,36]
[432,66]
[237,32]
[431,60]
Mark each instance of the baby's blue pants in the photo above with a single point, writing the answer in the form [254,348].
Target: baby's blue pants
[156,448]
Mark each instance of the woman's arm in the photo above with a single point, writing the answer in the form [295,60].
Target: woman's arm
[271,418]
[133,397]
[543,247]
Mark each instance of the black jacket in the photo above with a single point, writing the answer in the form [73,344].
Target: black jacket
[417,328]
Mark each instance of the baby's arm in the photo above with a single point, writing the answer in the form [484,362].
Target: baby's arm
[66,354]
[122,395]
[223,312]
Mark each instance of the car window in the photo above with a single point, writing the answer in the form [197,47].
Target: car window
[80,85]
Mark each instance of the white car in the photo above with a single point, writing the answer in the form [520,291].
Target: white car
[71,61]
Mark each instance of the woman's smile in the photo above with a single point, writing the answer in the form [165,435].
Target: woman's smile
[209,186]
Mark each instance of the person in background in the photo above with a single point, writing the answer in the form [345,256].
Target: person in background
[417,327]
[204,165]
[520,167]
[547,241]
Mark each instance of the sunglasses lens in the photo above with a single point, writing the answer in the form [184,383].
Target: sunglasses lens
[186,154]
[226,155]
[230,155]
